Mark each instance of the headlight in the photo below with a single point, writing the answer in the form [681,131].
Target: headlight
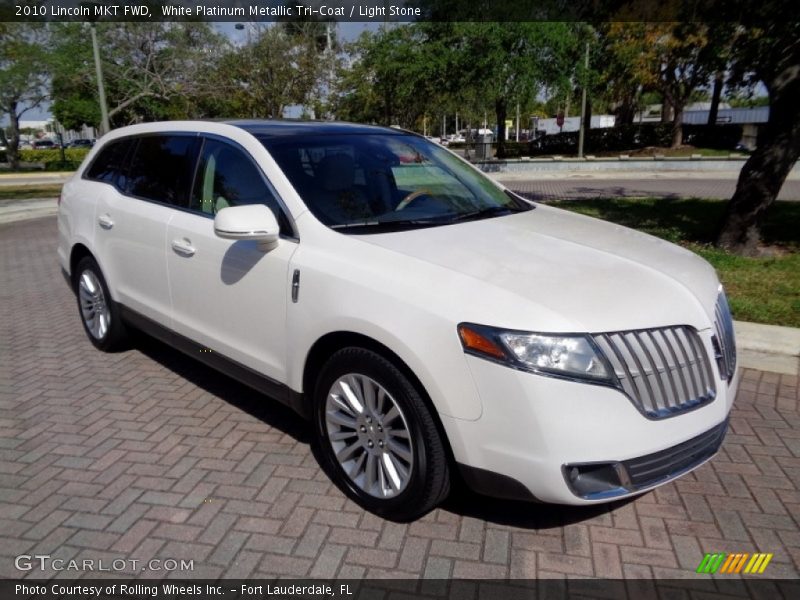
[573,355]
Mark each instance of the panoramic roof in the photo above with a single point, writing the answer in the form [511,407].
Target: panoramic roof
[290,128]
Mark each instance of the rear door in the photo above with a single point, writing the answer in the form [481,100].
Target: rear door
[228,295]
[132,217]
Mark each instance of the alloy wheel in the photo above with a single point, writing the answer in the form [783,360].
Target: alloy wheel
[369,435]
[94,308]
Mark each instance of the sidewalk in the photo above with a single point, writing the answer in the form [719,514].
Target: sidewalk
[32,208]
[768,347]
[34,178]
[762,347]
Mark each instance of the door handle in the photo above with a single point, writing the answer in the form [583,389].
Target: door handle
[183,247]
[105,221]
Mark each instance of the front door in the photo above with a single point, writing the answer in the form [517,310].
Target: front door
[227,295]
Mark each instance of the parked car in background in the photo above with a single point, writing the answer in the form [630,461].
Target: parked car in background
[43,144]
[425,319]
[81,143]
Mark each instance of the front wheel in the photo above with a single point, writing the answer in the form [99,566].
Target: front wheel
[99,313]
[378,438]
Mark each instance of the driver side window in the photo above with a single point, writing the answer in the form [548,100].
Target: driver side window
[226,176]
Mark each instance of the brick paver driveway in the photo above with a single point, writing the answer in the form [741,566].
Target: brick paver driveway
[146,454]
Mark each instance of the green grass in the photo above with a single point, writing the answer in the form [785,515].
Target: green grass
[26,192]
[761,290]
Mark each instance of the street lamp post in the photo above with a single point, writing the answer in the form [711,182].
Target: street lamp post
[101,90]
[582,133]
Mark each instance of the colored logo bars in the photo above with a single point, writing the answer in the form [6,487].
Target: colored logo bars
[734,563]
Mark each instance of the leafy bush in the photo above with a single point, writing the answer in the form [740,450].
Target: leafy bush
[611,139]
[58,165]
[48,156]
[718,137]
[515,150]
[633,137]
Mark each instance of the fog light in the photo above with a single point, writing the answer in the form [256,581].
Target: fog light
[595,481]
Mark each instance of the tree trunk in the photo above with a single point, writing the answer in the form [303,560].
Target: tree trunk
[587,120]
[13,141]
[666,111]
[764,172]
[677,126]
[500,110]
[626,111]
[715,96]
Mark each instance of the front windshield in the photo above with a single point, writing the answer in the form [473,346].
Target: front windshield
[371,183]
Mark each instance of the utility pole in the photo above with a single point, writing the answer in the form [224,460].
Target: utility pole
[517,121]
[582,133]
[101,90]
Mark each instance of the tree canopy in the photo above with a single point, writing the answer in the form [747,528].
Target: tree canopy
[414,74]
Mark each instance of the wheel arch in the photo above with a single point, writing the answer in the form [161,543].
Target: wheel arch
[78,252]
[327,345]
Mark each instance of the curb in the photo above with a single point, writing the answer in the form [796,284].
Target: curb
[32,208]
[768,347]
[37,174]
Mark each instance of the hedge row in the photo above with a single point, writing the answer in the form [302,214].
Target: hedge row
[719,137]
[49,157]
[628,137]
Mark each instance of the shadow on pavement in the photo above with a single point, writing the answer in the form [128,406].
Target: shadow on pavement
[271,412]
[525,515]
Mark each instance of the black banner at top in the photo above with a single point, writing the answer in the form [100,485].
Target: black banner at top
[390,11]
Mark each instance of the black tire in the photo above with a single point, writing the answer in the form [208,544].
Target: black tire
[114,336]
[428,482]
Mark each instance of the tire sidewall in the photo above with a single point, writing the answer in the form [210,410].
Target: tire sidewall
[352,360]
[114,332]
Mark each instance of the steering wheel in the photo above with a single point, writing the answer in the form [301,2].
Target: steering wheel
[411,197]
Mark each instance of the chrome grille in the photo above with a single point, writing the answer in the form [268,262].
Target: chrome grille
[724,340]
[663,371]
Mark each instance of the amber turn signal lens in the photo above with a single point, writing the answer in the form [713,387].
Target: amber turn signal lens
[472,340]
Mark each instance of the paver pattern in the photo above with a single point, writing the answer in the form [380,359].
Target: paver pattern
[148,454]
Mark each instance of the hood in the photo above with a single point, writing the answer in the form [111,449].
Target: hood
[568,272]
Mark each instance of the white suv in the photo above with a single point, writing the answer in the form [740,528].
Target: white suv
[427,320]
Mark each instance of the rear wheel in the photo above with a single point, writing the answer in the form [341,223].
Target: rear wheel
[99,313]
[378,438]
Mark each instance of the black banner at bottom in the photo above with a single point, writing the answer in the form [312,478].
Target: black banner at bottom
[396,589]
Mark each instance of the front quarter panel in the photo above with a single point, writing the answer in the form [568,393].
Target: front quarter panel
[341,291]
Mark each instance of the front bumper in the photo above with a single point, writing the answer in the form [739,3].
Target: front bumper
[603,481]
[533,427]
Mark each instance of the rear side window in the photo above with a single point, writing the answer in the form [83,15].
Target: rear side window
[110,161]
[161,168]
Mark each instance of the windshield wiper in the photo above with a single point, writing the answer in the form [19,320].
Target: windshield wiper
[384,225]
[489,211]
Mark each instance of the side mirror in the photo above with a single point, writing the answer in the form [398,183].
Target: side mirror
[248,222]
